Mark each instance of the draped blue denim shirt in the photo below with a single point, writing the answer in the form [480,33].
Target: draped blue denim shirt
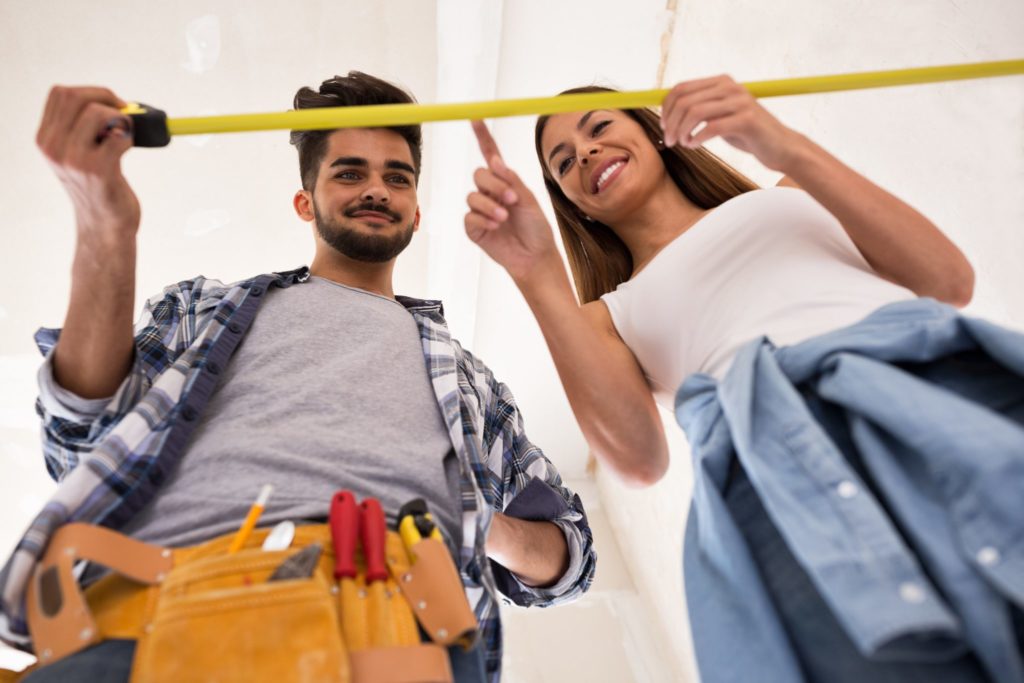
[918,564]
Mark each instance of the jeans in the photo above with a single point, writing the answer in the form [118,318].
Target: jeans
[111,662]
[825,653]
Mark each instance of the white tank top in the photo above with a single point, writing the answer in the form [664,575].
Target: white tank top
[769,262]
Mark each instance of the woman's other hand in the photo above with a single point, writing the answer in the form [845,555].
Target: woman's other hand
[726,109]
[504,218]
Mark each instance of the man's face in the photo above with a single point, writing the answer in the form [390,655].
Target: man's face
[364,203]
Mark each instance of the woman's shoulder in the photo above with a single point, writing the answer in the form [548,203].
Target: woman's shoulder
[769,203]
[774,193]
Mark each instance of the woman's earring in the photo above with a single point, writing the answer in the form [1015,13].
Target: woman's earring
[661,145]
[588,218]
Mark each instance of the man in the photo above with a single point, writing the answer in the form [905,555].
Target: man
[313,380]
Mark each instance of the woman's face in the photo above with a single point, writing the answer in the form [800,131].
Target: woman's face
[603,162]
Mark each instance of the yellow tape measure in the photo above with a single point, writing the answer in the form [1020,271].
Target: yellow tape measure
[405,114]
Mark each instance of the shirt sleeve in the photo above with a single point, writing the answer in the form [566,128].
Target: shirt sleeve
[532,489]
[72,425]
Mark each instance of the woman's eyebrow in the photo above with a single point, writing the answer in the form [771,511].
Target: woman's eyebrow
[558,148]
[583,119]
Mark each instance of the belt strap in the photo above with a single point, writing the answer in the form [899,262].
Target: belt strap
[434,589]
[407,664]
[59,617]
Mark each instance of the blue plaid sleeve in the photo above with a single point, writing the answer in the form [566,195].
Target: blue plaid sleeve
[71,426]
[531,488]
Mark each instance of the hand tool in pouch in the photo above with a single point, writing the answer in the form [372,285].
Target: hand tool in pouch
[373,532]
[301,565]
[344,523]
[441,606]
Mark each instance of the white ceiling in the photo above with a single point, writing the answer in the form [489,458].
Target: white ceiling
[221,205]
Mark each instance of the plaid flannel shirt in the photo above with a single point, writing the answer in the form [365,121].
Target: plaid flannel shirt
[110,467]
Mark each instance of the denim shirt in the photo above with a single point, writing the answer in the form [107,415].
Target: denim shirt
[930,406]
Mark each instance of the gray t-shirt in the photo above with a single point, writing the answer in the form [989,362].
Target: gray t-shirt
[328,391]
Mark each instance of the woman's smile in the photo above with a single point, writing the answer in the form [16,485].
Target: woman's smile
[605,174]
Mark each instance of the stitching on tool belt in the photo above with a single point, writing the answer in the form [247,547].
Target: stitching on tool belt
[174,581]
[218,602]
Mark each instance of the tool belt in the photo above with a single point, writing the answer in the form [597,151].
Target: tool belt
[200,613]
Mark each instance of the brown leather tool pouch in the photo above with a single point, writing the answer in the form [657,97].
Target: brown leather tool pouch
[219,619]
[202,614]
[433,588]
[59,618]
[8,676]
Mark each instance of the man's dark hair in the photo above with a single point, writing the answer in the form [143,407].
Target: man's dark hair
[355,89]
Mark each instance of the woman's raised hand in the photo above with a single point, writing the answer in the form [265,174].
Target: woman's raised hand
[504,218]
[728,110]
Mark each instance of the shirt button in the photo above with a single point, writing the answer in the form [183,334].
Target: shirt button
[988,556]
[256,291]
[912,593]
[213,368]
[847,489]
[189,413]
[235,327]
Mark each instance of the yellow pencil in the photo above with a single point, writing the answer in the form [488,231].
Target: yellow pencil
[250,520]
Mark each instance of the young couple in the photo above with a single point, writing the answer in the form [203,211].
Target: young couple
[858,446]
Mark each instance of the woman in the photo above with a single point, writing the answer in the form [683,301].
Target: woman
[844,526]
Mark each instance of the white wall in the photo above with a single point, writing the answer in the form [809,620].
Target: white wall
[221,205]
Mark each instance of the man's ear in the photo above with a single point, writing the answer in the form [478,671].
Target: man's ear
[303,203]
[416,220]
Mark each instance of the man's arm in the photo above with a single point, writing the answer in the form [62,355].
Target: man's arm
[84,135]
[539,542]
[536,552]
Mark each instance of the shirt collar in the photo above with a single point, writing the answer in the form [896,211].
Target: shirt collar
[432,308]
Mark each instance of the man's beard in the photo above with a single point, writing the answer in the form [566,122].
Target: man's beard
[360,246]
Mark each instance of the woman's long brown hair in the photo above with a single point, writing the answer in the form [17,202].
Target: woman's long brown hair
[599,260]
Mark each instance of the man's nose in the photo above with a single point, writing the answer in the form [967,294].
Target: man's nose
[377,193]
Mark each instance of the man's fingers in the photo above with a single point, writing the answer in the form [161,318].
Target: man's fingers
[64,107]
[117,141]
[95,125]
[105,96]
[49,112]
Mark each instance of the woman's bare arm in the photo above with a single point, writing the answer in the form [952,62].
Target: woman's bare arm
[606,388]
[900,244]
